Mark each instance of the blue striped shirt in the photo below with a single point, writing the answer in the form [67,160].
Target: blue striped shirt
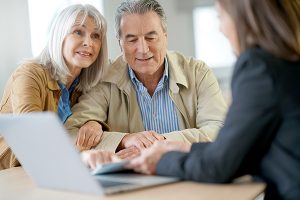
[64,104]
[158,112]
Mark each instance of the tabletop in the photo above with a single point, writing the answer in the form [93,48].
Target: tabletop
[15,184]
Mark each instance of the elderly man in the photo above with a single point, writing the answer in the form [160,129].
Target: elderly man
[148,93]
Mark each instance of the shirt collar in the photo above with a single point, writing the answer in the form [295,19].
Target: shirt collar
[72,87]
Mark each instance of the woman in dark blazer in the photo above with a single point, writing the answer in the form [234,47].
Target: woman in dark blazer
[261,135]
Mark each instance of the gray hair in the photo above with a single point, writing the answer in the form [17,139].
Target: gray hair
[139,7]
[52,55]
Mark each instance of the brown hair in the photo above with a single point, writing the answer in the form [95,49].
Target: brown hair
[273,25]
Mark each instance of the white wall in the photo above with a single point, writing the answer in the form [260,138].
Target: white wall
[14,37]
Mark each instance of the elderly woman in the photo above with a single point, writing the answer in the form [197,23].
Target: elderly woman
[71,64]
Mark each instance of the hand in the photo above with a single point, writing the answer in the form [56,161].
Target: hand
[128,153]
[94,157]
[147,161]
[89,135]
[140,140]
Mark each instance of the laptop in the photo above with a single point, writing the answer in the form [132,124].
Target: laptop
[46,152]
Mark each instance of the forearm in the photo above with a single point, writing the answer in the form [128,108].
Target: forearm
[206,133]
[192,166]
[110,141]
[7,157]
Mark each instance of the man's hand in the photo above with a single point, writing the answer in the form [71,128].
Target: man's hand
[140,140]
[89,135]
[128,153]
[94,157]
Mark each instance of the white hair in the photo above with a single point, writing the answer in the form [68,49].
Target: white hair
[52,55]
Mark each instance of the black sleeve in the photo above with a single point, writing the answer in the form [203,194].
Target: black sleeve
[244,137]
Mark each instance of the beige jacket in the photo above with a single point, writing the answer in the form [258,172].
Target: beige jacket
[193,88]
[29,89]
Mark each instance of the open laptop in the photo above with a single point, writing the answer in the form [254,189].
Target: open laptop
[47,154]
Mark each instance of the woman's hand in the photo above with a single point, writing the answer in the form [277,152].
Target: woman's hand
[147,161]
[89,135]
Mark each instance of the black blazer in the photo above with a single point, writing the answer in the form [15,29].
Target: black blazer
[261,135]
